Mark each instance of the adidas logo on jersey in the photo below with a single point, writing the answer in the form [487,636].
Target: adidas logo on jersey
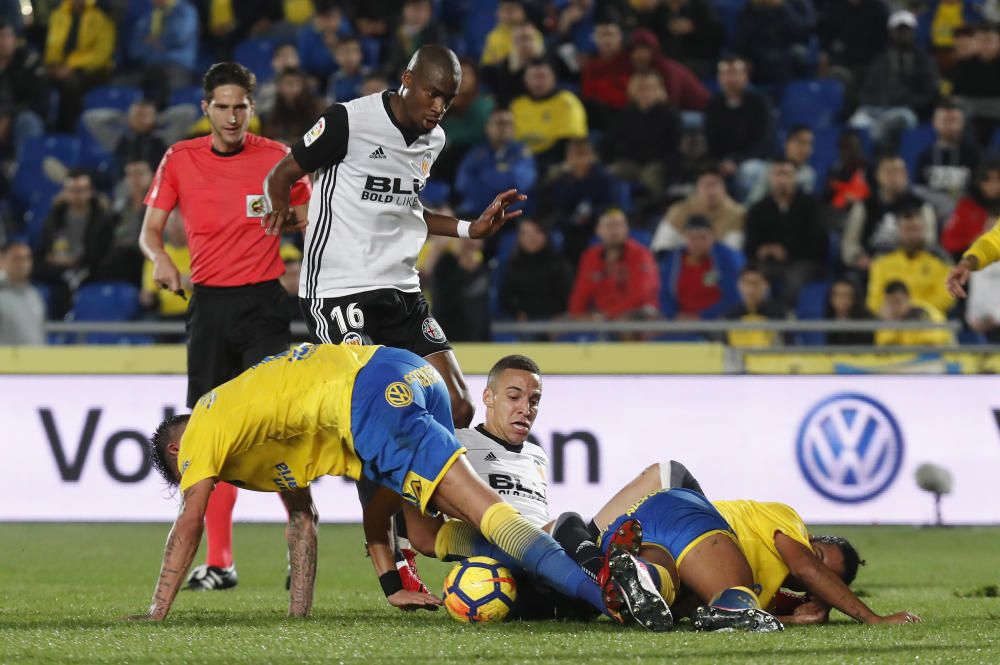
[378,153]
[490,457]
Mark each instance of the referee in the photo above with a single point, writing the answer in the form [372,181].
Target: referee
[238,312]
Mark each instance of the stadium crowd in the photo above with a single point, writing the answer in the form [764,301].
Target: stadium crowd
[683,159]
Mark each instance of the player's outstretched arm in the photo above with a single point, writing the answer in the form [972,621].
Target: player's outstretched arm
[823,584]
[377,519]
[487,224]
[810,612]
[182,543]
[301,535]
[277,196]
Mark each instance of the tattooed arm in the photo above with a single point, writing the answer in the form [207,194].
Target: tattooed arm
[301,537]
[182,543]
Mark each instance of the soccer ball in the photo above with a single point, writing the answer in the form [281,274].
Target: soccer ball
[478,590]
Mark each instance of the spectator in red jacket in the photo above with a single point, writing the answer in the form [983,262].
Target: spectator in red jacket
[683,88]
[604,78]
[617,278]
[976,212]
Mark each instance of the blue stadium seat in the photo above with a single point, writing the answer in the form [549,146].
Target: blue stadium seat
[111,97]
[255,54]
[108,301]
[31,186]
[913,143]
[811,306]
[811,102]
[480,18]
[824,152]
[188,95]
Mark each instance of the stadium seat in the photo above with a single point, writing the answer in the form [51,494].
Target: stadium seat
[255,54]
[107,301]
[812,102]
[824,152]
[811,306]
[188,95]
[913,143]
[111,97]
[480,18]
[31,186]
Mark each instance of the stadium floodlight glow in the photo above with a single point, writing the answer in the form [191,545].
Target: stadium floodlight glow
[938,481]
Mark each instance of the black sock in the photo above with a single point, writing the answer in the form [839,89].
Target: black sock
[574,536]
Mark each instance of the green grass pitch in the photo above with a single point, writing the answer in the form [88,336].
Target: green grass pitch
[63,588]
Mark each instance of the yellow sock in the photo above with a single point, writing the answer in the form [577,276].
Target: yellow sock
[503,526]
[667,588]
[454,540]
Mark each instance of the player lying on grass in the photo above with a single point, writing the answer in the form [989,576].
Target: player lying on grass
[772,537]
[344,410]
[500,452]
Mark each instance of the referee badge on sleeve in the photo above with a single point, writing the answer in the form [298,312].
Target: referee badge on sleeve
[256,207]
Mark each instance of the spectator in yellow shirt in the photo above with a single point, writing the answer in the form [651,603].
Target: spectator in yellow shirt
[546,117]
[922,272]
[498,44]
[899,307]
[79,49]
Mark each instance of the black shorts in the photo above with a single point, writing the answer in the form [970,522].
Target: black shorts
[231,328]
[385,316]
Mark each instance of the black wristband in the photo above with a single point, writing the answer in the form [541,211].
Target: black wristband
[391,582]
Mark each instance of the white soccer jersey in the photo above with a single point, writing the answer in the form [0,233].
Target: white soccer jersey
[518,474]
[366,223]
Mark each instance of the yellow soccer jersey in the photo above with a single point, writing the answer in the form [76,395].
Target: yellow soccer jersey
[987,247]
[279,425]
[755,524]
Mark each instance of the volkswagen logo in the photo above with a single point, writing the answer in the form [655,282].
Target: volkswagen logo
[849,448]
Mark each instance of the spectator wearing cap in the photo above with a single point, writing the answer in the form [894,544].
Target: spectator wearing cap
[738,122]
[617,278]
[785,236]
[900,86]
[24,93]
[946,167]
[683,87]
[699,278]
[546,116]
[710,200]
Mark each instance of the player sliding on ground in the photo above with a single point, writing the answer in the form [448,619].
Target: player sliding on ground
[345,410]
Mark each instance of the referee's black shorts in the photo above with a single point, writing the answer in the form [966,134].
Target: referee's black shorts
[389,317]
[231,328]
